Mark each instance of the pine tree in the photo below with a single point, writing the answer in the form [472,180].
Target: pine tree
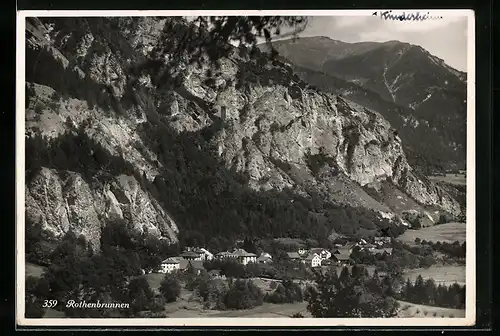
[430,292]
[418,294]
[408,290]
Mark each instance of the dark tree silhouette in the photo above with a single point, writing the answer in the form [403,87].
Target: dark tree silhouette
[206,39]
[347,296]
[170,288]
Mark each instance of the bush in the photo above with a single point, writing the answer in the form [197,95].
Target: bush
[297,315]
[35,296]
[170,288]
[141,296]
[243,294]
[434,314]
[286,292]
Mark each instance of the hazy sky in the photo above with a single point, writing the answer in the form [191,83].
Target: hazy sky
[445,38]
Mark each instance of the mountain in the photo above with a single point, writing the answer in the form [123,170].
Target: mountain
[426,94]
[114,132]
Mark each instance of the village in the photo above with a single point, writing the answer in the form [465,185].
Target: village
[193,258]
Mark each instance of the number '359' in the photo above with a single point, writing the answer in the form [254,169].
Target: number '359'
[49,303]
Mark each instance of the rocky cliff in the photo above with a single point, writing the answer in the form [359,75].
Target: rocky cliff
[270,128]
[426,103]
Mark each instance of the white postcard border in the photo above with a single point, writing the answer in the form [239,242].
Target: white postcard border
[470,315]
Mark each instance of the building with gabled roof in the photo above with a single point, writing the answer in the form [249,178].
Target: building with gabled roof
[245,257]
[169,265]
[313,260]
[191,255]
[321,252]
[264,258]
[293,255]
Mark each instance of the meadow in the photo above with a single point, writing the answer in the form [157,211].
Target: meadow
[408,309]
[446,275]
[448,232]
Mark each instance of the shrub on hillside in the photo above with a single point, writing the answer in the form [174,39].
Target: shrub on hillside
[170,288]
[348,296]
[142,298]
[286,292]
[243,294]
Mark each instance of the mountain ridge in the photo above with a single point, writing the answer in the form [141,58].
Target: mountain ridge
[256,117]
[435,94]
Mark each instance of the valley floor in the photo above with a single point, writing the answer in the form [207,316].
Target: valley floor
[445,275]
[448,232]
[265,310]
[188,307]
[408,309]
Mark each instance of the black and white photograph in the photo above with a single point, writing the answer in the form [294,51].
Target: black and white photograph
[284,168]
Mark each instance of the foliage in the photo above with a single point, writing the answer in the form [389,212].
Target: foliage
[36,292]
[76,272]
[213,292]
[454,250]
[206,39]
[349,295]
[243,294]
[142,297]
[428,293]
[170,288]
[286,292]
[37,251]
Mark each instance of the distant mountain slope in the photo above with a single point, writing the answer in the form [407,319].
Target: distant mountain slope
[426,89]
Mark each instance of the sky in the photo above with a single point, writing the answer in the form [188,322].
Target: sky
[445,38]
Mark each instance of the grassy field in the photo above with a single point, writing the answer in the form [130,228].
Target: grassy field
[193,310]
[446,275]
[408,309]
[454,179]
[34,270]
[448,232]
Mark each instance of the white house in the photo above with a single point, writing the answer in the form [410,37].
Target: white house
[244,257]
[169,265]
[321,252]
[313,260]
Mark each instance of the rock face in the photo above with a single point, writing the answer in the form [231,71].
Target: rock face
[273,128]
[278,128]
[426,103]
[60,201]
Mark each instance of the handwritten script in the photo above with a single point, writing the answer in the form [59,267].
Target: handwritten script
[389,15]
